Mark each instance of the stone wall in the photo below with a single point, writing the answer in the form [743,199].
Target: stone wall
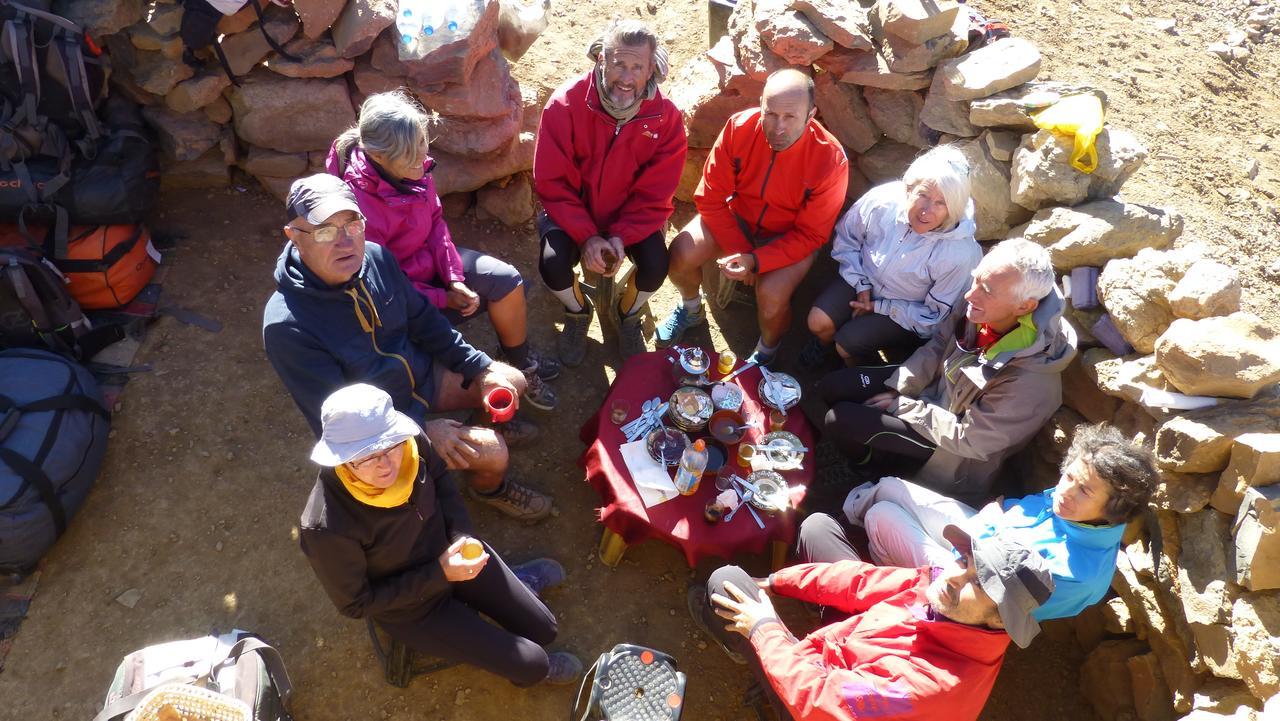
[277,124]
[1194,628]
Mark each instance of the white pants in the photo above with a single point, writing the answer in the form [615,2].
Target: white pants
[904,522]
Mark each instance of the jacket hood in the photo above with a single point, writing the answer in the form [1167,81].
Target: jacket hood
[1055,343]
[294,277]
[361,172]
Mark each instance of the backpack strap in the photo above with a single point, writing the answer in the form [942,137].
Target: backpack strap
[20,48]
[35,476]
[262,25]
[67,47]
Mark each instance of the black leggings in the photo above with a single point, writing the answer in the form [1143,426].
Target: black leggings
[858,429]
[510,647]
[560,254]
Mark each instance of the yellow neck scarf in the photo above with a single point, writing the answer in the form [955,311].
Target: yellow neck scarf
[393,495]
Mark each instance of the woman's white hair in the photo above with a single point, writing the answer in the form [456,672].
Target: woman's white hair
[945,169]
[1036,278]
[391,124]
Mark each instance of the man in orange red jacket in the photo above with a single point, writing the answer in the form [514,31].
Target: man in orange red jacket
[769,196]
[609,156]
[897,644]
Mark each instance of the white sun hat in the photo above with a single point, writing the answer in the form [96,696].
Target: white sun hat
[357,421]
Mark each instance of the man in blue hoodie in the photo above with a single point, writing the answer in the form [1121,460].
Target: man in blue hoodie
[343,312]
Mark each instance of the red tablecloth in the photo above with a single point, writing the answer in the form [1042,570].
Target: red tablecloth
[680,520]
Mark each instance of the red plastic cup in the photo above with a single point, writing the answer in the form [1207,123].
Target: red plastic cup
[501,404]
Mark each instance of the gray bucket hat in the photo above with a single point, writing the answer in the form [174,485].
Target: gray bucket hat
[357,421]
[316,198]
[1013,575]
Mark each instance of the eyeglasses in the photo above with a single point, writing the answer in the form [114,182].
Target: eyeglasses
[371,461]
[329,233]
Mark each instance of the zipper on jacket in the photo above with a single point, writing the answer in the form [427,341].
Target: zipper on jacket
[764,184]
[408,370]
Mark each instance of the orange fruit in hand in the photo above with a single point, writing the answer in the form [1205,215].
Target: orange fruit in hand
[471,549]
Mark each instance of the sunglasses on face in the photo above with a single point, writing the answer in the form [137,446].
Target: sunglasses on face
[371,461]
[329,233]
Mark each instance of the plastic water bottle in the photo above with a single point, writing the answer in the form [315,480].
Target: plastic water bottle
[692,464]
[445,19]
[410,18]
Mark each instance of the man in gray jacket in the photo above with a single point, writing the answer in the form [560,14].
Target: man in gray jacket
[976,393]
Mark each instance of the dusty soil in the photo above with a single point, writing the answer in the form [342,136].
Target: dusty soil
[198,501]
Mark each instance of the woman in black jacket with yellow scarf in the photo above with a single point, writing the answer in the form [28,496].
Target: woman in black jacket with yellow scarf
[389,538]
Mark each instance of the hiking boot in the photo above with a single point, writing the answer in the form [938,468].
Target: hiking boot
[631,335]
[518,501]
[572,343]
[540,574]
[674,325]
[517,432]
[563,668]
[815,354]
[548,367]
[537,393]
[696,599]
[761,358]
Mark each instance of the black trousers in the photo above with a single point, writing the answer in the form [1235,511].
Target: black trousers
[560,255]
[510,647]
[859,430]
[822,540]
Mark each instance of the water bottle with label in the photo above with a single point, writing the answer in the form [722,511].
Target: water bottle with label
[692,465]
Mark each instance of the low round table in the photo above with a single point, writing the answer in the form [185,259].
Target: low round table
[680,521]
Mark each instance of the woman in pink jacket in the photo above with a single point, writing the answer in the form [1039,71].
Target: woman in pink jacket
[384,160]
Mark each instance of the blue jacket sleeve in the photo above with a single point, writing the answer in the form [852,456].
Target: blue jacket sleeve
[305,367]
[431,331]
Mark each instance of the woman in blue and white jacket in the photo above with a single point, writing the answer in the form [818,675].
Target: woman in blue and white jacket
[906,250]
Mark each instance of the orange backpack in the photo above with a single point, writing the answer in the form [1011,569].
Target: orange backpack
[105,265]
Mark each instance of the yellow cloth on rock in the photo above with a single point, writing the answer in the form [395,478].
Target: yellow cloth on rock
[393,495]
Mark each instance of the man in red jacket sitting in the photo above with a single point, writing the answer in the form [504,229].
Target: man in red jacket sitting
[609,156]
[922,644]
[768,199]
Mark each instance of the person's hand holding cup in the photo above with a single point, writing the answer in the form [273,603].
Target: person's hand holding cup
[461,562]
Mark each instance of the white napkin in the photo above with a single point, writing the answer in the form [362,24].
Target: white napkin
[650,477]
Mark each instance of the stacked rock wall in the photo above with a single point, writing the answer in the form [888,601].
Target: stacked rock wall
[1194,628]
[277,124]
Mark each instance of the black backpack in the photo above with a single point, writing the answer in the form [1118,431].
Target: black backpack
[199,29]
[37,311]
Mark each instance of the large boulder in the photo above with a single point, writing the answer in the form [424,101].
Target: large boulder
[267,108]
[471,137]
[510,203]
[1204,567]
[1235,356]
[1151,698]
[789,33]
[454,61]
[897,114]
[197,92]
[248,47]
[1257,539]
[991,68]
[945,115]
[183,136]
[1136,290]
[995,213]
[163,19]
[1012,108]
[1183,492]
[491,93]
[1102,230]
[886,161]
[1104,677]
[1207,289]
[1200,441]
[315,59]
[1255,623]
[144,37]
[904,56]
[1043,175]
[207,171]
[691,175]
[845,23]
[1137,584]
[1080,392]
[1254,461]
[156,74]
[917,20]
[317,15]
[708,90]
[260,161]
[455,174]
[844,113]
[868,68]
[97,17]
[361,21]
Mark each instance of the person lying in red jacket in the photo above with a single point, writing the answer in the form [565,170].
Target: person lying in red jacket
[609,155]
[897,644]
[768,200]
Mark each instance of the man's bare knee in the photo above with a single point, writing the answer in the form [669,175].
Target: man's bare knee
[820,324]
[494,457]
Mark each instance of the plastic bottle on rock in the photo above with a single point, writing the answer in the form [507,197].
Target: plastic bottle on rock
[692,465]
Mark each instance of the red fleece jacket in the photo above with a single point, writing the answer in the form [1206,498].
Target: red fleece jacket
[595,177]
[888,661]
[795,194]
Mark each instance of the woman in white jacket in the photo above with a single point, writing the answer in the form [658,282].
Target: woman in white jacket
[906,251]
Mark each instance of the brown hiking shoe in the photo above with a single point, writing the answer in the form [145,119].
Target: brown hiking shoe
[518,501]
[572,343]
[631,335]
[517,432]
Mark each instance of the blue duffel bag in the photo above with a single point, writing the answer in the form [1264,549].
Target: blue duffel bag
[53,434]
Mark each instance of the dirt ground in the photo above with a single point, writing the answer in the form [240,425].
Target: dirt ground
[197,504]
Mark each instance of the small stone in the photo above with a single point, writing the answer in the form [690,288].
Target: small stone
[702,646]
[218,546]
[129,598]
[1125,10]
[1167,25]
